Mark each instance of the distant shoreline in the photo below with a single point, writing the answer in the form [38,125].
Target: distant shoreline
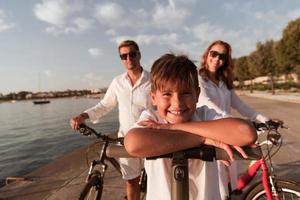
[94,96]
[25,95]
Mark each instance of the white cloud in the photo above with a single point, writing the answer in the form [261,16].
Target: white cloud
[150,39]
[110,13]
[242,41]
[207,32]
[95,52]
[169,16]
[52,11]
[82,24]
[115,16]
[4,25]
[293,14]
[60,14]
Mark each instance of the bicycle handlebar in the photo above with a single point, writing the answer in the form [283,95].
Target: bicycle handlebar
[87,131]
[205,152]
[269,125]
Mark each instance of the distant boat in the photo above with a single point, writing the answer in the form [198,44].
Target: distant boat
[41,101]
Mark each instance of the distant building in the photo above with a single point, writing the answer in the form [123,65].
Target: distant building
[28,96]
[98,90]
[95,91]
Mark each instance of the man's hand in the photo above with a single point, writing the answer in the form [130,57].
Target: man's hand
[76,121]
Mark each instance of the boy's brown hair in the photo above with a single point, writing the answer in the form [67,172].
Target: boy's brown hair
[127,43]
[178,70]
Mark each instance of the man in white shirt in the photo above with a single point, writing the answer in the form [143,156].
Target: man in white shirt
[130,91]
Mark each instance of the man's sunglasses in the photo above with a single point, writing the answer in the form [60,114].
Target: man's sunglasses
[131,55]
[222,56]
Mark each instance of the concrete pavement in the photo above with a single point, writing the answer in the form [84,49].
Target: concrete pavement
[278,96]
[63,179]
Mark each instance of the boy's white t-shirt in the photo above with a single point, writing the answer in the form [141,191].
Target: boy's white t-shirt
[203,176]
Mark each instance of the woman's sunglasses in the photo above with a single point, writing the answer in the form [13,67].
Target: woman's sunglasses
[222,56]
[131,55]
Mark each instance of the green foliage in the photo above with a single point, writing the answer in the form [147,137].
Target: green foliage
[272,58]
[241,69]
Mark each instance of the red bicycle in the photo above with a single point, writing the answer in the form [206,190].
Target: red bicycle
[269,187]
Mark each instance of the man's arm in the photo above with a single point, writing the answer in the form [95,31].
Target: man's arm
[144,142]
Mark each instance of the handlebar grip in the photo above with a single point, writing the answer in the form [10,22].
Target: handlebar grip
[205,152]
[253,153]
[117,151]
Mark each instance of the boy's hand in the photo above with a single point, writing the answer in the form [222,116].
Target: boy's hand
[152,124]
[227,148]
[221,145]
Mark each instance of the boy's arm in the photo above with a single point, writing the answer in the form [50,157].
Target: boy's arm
[232,131]
[147,142]
[167,138]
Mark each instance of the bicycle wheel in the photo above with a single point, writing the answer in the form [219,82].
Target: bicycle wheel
[286,190]
[93,188]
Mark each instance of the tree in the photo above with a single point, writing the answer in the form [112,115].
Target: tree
[263,62]
[288,48]
[242,72]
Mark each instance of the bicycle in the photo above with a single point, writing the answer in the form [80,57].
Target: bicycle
[95,178]
[268,188]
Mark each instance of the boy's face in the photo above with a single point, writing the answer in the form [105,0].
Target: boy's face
[175,104]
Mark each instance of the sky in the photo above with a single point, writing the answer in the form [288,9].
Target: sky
[55,45]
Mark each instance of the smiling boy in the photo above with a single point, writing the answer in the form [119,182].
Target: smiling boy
[177,124]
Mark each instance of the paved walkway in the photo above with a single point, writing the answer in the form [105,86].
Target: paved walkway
[63,179]
[280,96]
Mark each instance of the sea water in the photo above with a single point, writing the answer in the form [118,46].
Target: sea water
[34,135]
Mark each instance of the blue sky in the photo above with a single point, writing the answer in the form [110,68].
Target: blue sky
[72,44]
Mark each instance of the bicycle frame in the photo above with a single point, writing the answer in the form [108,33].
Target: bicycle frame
[266,179]
[95,177]
[101,162]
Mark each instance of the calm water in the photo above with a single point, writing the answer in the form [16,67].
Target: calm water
[33,135]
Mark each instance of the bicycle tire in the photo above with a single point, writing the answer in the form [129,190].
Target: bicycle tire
[93,188]
[286,190]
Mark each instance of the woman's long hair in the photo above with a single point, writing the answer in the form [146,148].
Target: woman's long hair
[225,72]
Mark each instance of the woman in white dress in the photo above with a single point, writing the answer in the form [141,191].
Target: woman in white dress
[217,92]
[216,83]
